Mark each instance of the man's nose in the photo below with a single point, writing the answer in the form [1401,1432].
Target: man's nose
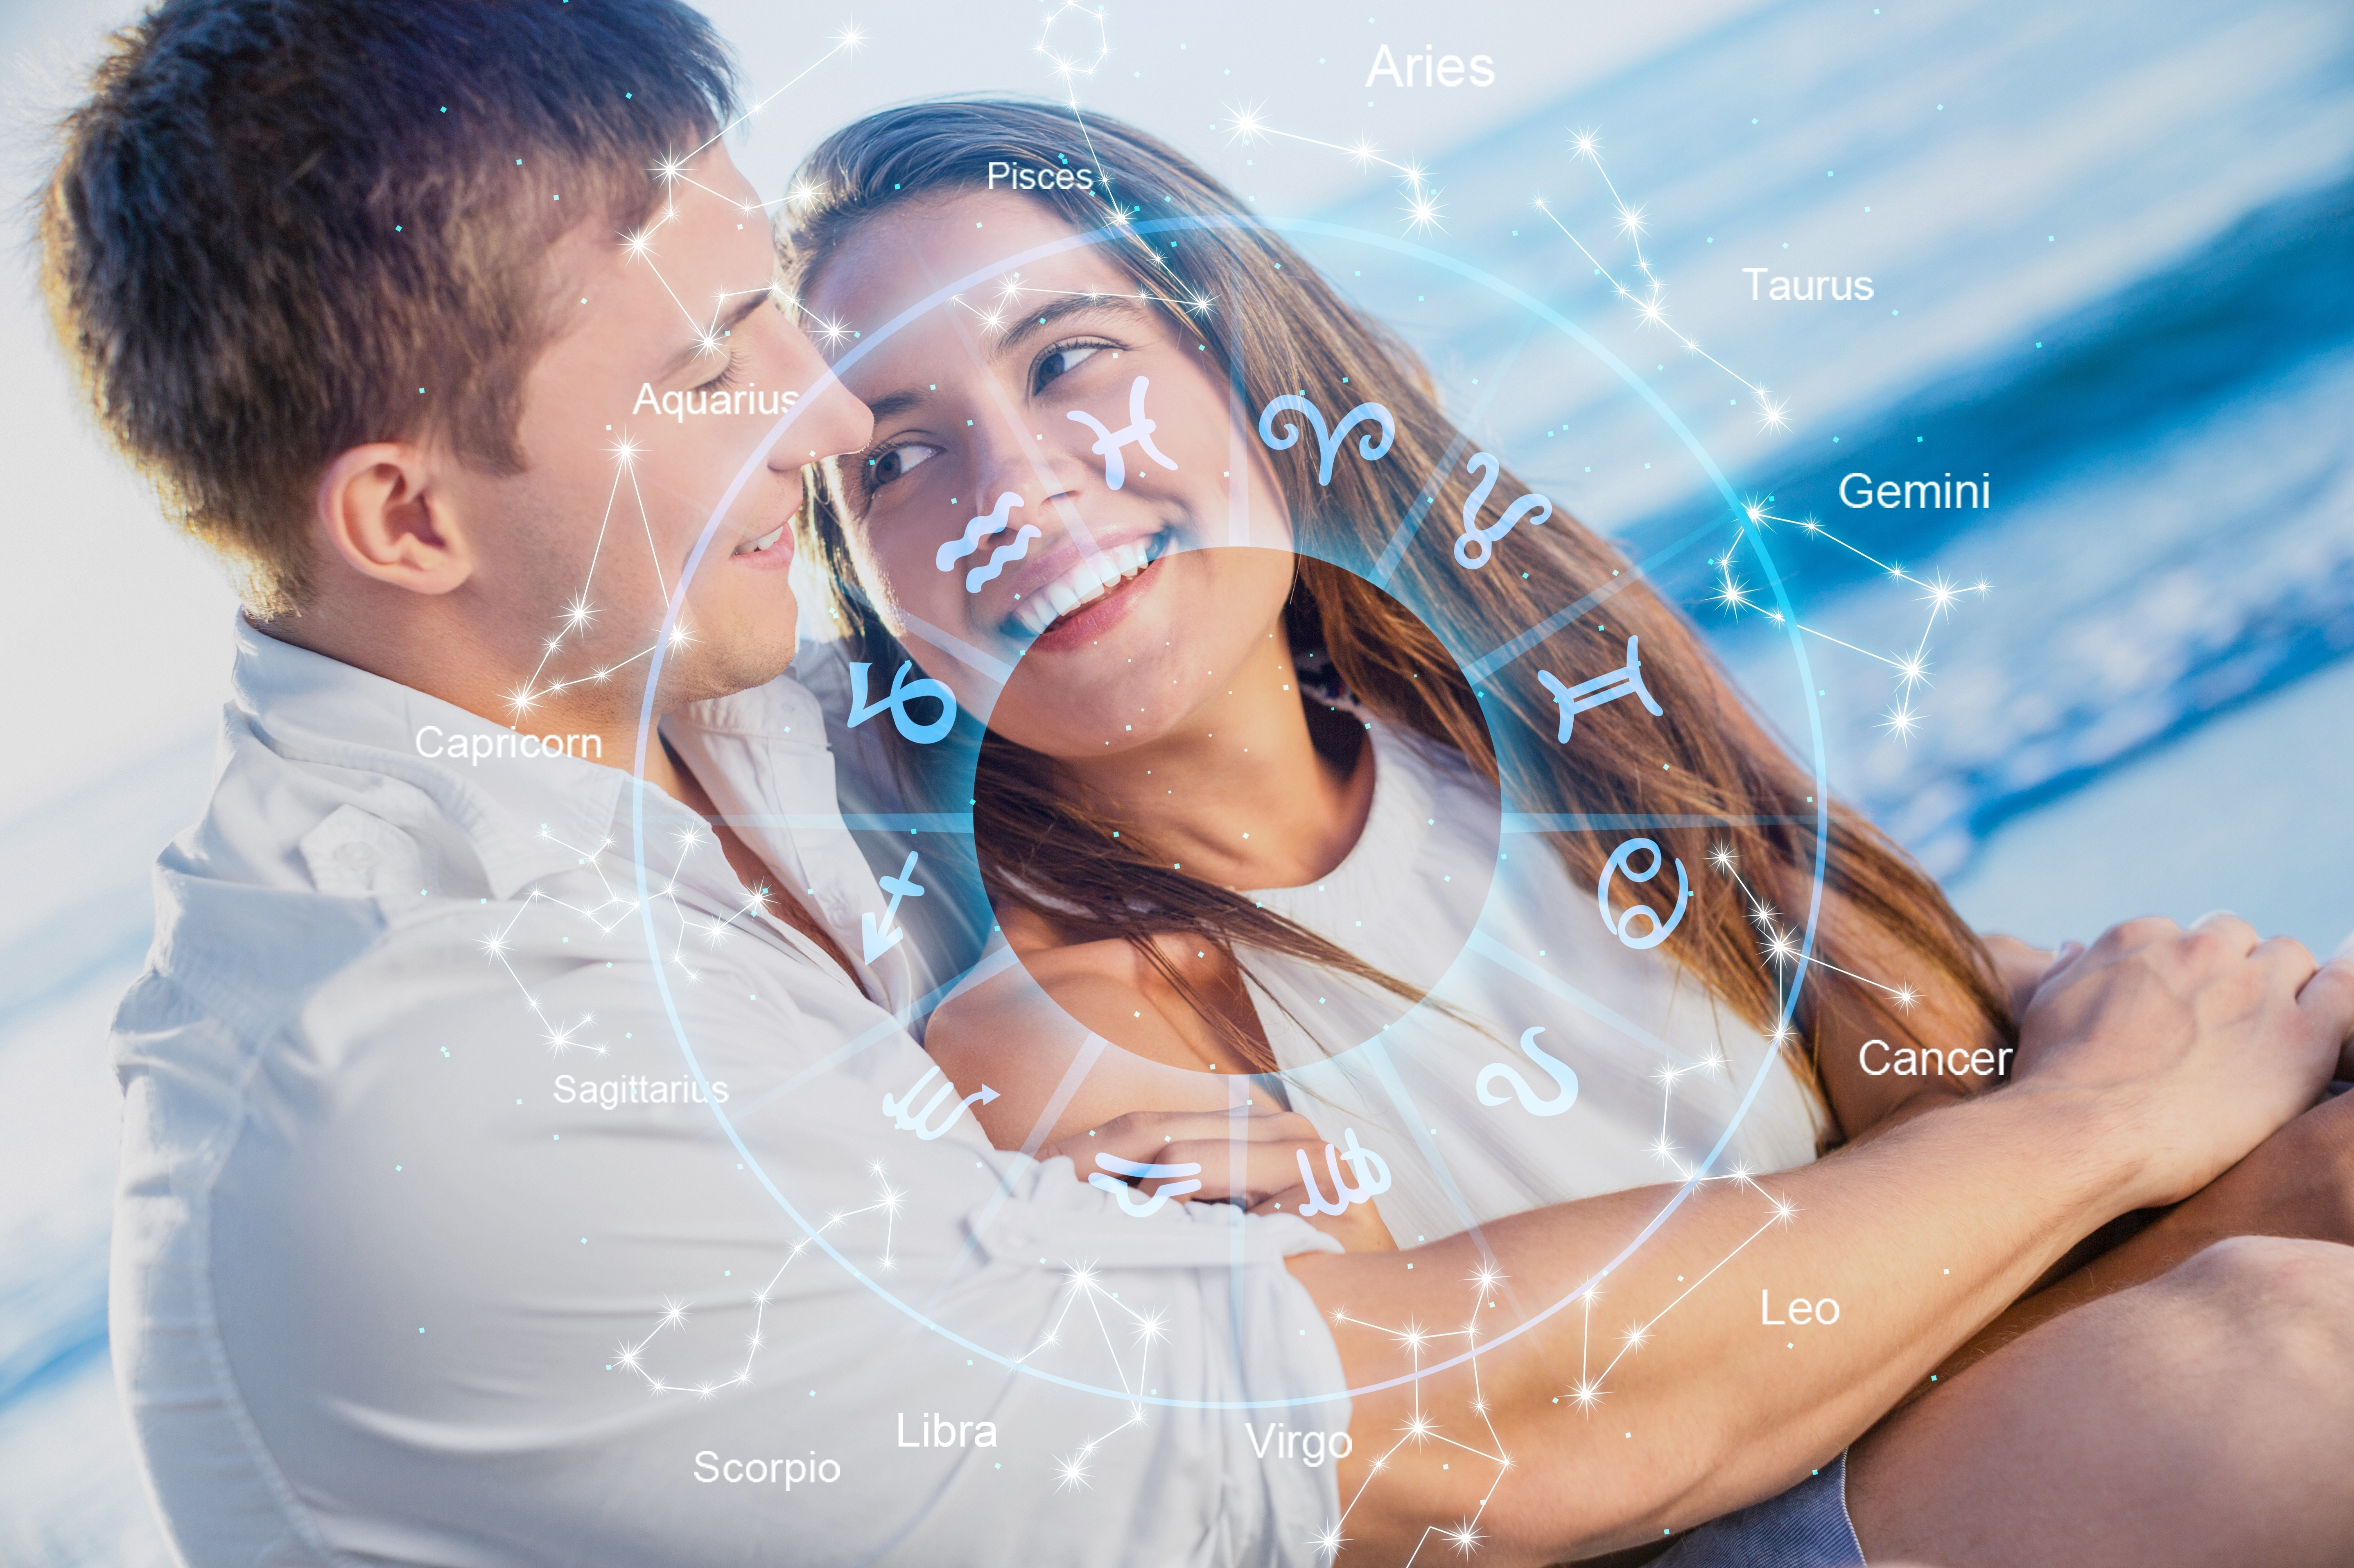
[833,422]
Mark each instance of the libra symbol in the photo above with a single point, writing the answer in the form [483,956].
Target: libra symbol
[1620,682]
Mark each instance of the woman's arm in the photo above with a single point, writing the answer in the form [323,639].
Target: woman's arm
[1042,1037]
[2153,1064]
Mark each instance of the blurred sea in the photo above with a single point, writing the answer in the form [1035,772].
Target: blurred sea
[2113,253]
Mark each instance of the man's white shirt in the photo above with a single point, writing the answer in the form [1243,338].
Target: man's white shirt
[496,1191]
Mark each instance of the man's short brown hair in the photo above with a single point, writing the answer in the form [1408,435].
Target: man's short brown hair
[282,228]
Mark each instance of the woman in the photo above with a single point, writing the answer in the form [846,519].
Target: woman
[1239,814]
[1238,808]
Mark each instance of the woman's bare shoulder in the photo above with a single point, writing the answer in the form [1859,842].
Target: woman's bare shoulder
[1022,1030]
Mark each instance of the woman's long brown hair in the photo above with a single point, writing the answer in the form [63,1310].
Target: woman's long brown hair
[1279,327]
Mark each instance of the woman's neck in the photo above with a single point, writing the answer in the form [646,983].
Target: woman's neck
[1237,792]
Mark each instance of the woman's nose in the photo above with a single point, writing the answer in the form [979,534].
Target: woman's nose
[1009,454]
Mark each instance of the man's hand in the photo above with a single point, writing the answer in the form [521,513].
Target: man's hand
[2206,1038]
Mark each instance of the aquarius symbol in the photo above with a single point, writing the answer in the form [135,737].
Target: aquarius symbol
[1623,926]
[1127,1194]
[999,556]
[994,521]
[919,1124]
[1328,443]
[1620,682]
[1343,1194]
[921,734]
[1108,444]
[880,939]
[1485,539]
[1564,1081]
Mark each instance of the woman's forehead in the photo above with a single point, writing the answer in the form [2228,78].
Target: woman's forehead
[906,252]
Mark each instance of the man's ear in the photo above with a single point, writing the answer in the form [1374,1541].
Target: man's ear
[383,515]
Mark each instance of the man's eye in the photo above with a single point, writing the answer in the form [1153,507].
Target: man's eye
[1062,362]
[885,467]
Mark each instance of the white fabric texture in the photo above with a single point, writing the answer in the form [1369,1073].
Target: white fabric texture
[1436,895]
[372,1274]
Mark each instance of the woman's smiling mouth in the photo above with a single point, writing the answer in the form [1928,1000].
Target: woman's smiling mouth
[1084,584]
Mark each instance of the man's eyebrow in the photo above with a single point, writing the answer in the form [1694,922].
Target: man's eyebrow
[737,316]
[1038,318]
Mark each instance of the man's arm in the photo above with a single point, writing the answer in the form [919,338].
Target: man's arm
[2149,1065]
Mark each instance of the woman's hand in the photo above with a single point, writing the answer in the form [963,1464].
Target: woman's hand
[1360,1227]
[1248,1157]
[2206,1039]
[2018,968]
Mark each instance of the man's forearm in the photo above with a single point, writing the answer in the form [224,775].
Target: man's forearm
[1691,1381]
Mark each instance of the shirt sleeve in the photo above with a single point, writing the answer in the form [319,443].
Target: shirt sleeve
[566,1254]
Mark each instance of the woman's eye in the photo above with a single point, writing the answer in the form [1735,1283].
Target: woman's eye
[1062,362]
[882,468]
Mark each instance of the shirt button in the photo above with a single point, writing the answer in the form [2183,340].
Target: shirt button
[355,854]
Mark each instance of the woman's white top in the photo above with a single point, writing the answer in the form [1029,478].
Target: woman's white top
[1439,894]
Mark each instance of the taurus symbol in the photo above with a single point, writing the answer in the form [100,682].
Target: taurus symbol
[1327,442]
[1564,1081]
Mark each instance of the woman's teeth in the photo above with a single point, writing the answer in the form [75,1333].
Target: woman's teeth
[766,541]
[1084,584]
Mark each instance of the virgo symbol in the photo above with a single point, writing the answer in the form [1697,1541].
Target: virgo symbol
[1564,1081]
[1623,926]
[1327,442]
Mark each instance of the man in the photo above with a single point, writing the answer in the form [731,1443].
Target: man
[503,1178]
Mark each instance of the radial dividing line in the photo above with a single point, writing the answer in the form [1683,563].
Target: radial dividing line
[996,670]
[1488,948]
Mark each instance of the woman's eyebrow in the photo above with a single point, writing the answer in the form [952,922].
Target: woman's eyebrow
[1038,318]
[892,404]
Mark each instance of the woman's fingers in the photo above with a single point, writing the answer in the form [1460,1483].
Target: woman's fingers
[1209,1154]
[2327,998]
[1137,1134]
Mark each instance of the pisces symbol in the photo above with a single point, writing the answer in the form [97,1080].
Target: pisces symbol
[880,939]
[1137,1170]
[1477,546]
[1623,926]
[1109,444]
[1327,442]
[1564,1080]
[918,1123]
[903,692]
[1367,1186]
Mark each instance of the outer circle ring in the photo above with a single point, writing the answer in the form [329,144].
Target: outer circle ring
[1477,670]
